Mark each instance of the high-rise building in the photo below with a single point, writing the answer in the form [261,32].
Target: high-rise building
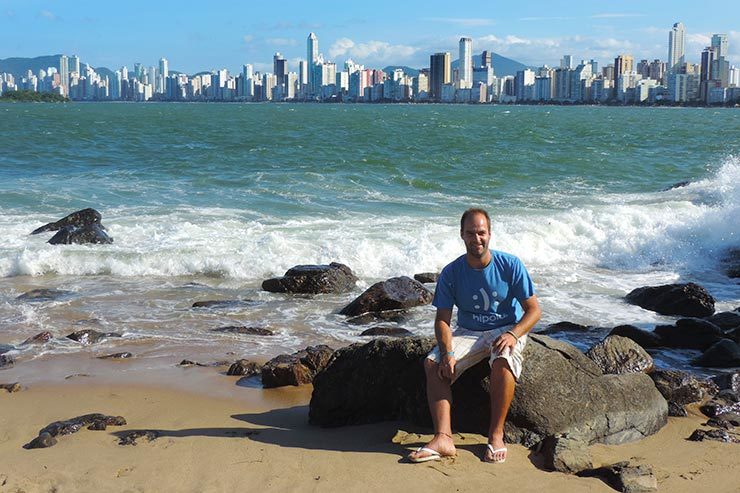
[623,64]
[74,64]
[676,47]
[466,63]
[708,56]
[486,59]
[312,49]
[280,69]
[439,74]
[64,74]
[719,43]
[566,62]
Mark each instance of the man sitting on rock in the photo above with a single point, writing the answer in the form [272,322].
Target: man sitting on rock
[496,307]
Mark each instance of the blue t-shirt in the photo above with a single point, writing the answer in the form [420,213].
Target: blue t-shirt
[487,298]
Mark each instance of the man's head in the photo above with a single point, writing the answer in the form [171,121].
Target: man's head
[475,231]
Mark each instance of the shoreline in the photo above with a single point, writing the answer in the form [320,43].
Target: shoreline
[261,438]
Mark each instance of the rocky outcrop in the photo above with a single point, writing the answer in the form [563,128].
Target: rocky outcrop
[96,421]
[617,355]
[76,219]
[427,277]
[394,294]
[244,367]
[725,320]
[79,227]
[382,330]
[689,333]
[563,454]
[728,381]
[687,300]
[725,353]
[680,388]
[715,435]
[726,401]
[40,338]
[43,295]
[626,477]
[564,326]
[384,380]
[238,329]
[90,336]
[297,368]
[644,338]
[313,279]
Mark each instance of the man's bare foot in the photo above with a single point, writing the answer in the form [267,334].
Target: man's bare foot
[495,450]
[441,443]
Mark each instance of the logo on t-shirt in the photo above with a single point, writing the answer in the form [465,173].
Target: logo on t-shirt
[486,300]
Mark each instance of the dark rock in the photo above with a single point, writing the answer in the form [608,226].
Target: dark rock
[117,356]
[43,295]
[727,421]
[625,477]
[387,331]
[90,336]
[731,262]
[384,380]
[91,233]
[676,410]
[725,320]
[617,355]
[212,364]
[733,334]
[313,279]
[394,294]
[220,303]
[681,387]
[427,277]
[724,354]
[716,435]
[688,300]
[93,421]
[563,327]
[4,348]
[566,455]
[244,367]
[297,368]
[726,401]
[644,338]
[397,316]
[680,184]
[77,219]
[728,381]
[254,331]
[130,437]
[11,387]
[6,361]
[690,333]
[40,338]
[77,375]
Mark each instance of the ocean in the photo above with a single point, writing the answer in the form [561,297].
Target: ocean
[205,201]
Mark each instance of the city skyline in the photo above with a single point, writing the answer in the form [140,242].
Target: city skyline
[402,35]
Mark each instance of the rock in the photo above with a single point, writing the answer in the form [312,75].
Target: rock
[676,410]
[313,279]
[220,303]
[733,334]
[386,331]
[681,387]
[727,421]
[563,327]
[397,316]
[731,262]
[11,387]
[43,295]
[244,367]
[724,354]
[40,338]
[680,184]
[384,380]
[297,368]
[4,348]
[427,277]
[6,361]
[617,355]
[90,336]
[688,300]
[644,338]
[253,331]
[93,421]
[130,437]
[625,477]
[76,219]
[117,356]
[91,233]
[728,381]
[716,435]
[725,320]
[690,333]
[394,294]
[726,401]
[212,364]
[566,455]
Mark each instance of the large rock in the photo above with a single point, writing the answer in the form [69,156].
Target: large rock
[617,355]
[644,338]
[90,233]
[90,336]
[95,421]
[563,454]
[690,333]
[688,300]
[723,354]
[297,368]
[725,320]
[313,279]
[564,326]
[626,477]
[427,277]
[680,388]
[76,219]
[394,294]
[40,338]
[560,391]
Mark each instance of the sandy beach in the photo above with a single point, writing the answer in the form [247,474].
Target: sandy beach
[230,437]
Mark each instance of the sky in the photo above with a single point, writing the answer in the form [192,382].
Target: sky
[217,35]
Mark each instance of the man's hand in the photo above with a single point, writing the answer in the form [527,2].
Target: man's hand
[446,368]
[504,344]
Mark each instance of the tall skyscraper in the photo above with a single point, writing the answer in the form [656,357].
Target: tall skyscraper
[439,74]
[312,49]
[64,74]
[676,47]
[486,59]
[708,56]
[466,63]
[567,62]
[719,43]
[623,64]
[74,64]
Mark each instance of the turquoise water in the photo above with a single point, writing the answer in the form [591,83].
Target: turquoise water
[226,195]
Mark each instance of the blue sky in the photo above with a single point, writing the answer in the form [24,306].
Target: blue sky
[217,35]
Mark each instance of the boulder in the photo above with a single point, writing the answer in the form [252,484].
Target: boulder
[688,300]
[237,329]
[725,353]
[244,367]
[725,320]
[676,410]
[682,387]
[77,219]
[212,364]
[394,294]
[427,277]
[690,333]
[313,279]
[95,421]
[563,327]
[40,338]
[733,334]
[716,435]
[91,233]
[726,401]
[90,336]
[43,295]
[384,380]
[617,355]
[644,338]
[563,454]
[728,381]
[727,421]
[383,330]
[297,368]
[626,477]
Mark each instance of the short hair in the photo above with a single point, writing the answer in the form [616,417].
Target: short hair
[473,211]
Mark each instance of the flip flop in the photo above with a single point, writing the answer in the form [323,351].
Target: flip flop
[433,455]
[494,452]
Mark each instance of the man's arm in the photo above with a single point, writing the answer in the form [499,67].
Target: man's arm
[443,333]
[532,314]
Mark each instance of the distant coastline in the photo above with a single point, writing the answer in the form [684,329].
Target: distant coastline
[25,96]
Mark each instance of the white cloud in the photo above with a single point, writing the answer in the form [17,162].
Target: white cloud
[372,53]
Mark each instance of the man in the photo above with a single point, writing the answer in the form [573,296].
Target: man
[496,307]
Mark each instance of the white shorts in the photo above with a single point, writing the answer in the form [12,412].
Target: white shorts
[472,346]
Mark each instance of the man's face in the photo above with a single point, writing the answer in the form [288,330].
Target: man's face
[476,236]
